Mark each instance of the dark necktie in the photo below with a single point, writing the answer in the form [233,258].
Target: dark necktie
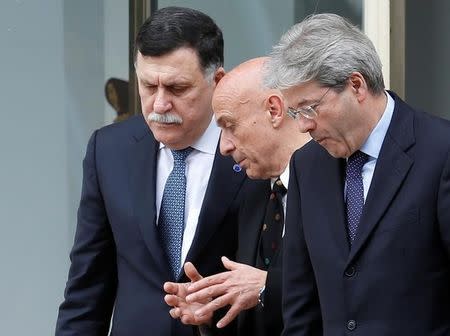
[273,224]
[355,192]
[171,215]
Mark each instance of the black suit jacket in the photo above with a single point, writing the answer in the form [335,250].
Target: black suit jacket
[117,260]
[259,321]
[395,280]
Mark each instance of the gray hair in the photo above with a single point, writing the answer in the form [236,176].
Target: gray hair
[325,48]
[209,73]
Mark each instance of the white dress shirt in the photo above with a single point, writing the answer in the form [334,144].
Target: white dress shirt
[373,144]
[284,177]
[198,169]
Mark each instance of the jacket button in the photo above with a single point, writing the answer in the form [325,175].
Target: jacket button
[349,272]
[351,325]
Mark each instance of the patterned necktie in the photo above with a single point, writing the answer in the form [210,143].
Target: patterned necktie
[171,215]
[273,224]
[355,191]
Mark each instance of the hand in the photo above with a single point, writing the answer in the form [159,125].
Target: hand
[176,298]
[239,287]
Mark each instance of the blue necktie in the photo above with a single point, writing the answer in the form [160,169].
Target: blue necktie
[171,215]
[355,191]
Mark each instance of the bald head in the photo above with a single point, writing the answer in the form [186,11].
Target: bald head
[255,128]
[241,85]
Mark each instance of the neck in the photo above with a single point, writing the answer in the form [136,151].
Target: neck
[288,145]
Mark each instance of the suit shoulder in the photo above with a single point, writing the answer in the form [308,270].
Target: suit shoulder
[134,125]
[125,132]
[310,150]
[433,128]
[427,128]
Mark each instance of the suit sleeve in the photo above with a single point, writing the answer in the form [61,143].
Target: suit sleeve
[300,302]
[272,295]
[443,206]
[90,289]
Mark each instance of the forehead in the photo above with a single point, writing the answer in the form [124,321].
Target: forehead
[234,110]
[179,65]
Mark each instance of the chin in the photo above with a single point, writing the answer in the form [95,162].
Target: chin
[172,142]
[256,175]
[252,175]
[336,153]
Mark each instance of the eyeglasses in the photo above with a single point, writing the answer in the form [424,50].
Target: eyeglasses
[308,112]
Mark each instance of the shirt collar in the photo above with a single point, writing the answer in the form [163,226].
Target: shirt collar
[284,177]
[372,146]
[207,142]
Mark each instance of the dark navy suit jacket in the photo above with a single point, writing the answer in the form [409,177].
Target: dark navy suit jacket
[117,259]
[267,320]
[395,280]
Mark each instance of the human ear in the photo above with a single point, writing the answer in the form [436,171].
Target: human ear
[358,85]
[274,104]
[218,75]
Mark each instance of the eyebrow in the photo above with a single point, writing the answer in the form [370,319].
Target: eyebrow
[171,83]
[306,101]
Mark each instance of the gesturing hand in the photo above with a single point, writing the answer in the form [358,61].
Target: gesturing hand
[239,287]
[176,298]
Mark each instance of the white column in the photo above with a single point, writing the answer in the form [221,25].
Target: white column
[376,24]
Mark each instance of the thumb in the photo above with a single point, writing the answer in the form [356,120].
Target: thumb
[230,265]
[191,272]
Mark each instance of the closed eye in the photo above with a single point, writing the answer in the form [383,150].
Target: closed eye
[178,90]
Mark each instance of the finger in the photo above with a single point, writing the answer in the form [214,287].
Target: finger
[230,265]
[215,304]
[206,294]
[229,316]
[188,319]
[173,300]
[171,287]
[191,272]
[175,313]
[178,289]
[194,320]
[208,281]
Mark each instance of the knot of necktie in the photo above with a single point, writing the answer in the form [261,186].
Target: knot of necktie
[356,161]
[181,154]
[279,188]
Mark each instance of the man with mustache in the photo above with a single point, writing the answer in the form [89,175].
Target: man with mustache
[156,192]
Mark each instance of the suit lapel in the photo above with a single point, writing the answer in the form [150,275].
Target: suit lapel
[392,167]
[331,176]
[142,190]
[222,187]
[326,184]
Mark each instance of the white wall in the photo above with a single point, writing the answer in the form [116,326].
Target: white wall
[33,170]
[115,45]
[52,66]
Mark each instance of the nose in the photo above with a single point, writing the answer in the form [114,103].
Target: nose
[226,145]
[162,102]
[306,125]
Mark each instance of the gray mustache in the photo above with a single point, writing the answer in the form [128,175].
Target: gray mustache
[166,118]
